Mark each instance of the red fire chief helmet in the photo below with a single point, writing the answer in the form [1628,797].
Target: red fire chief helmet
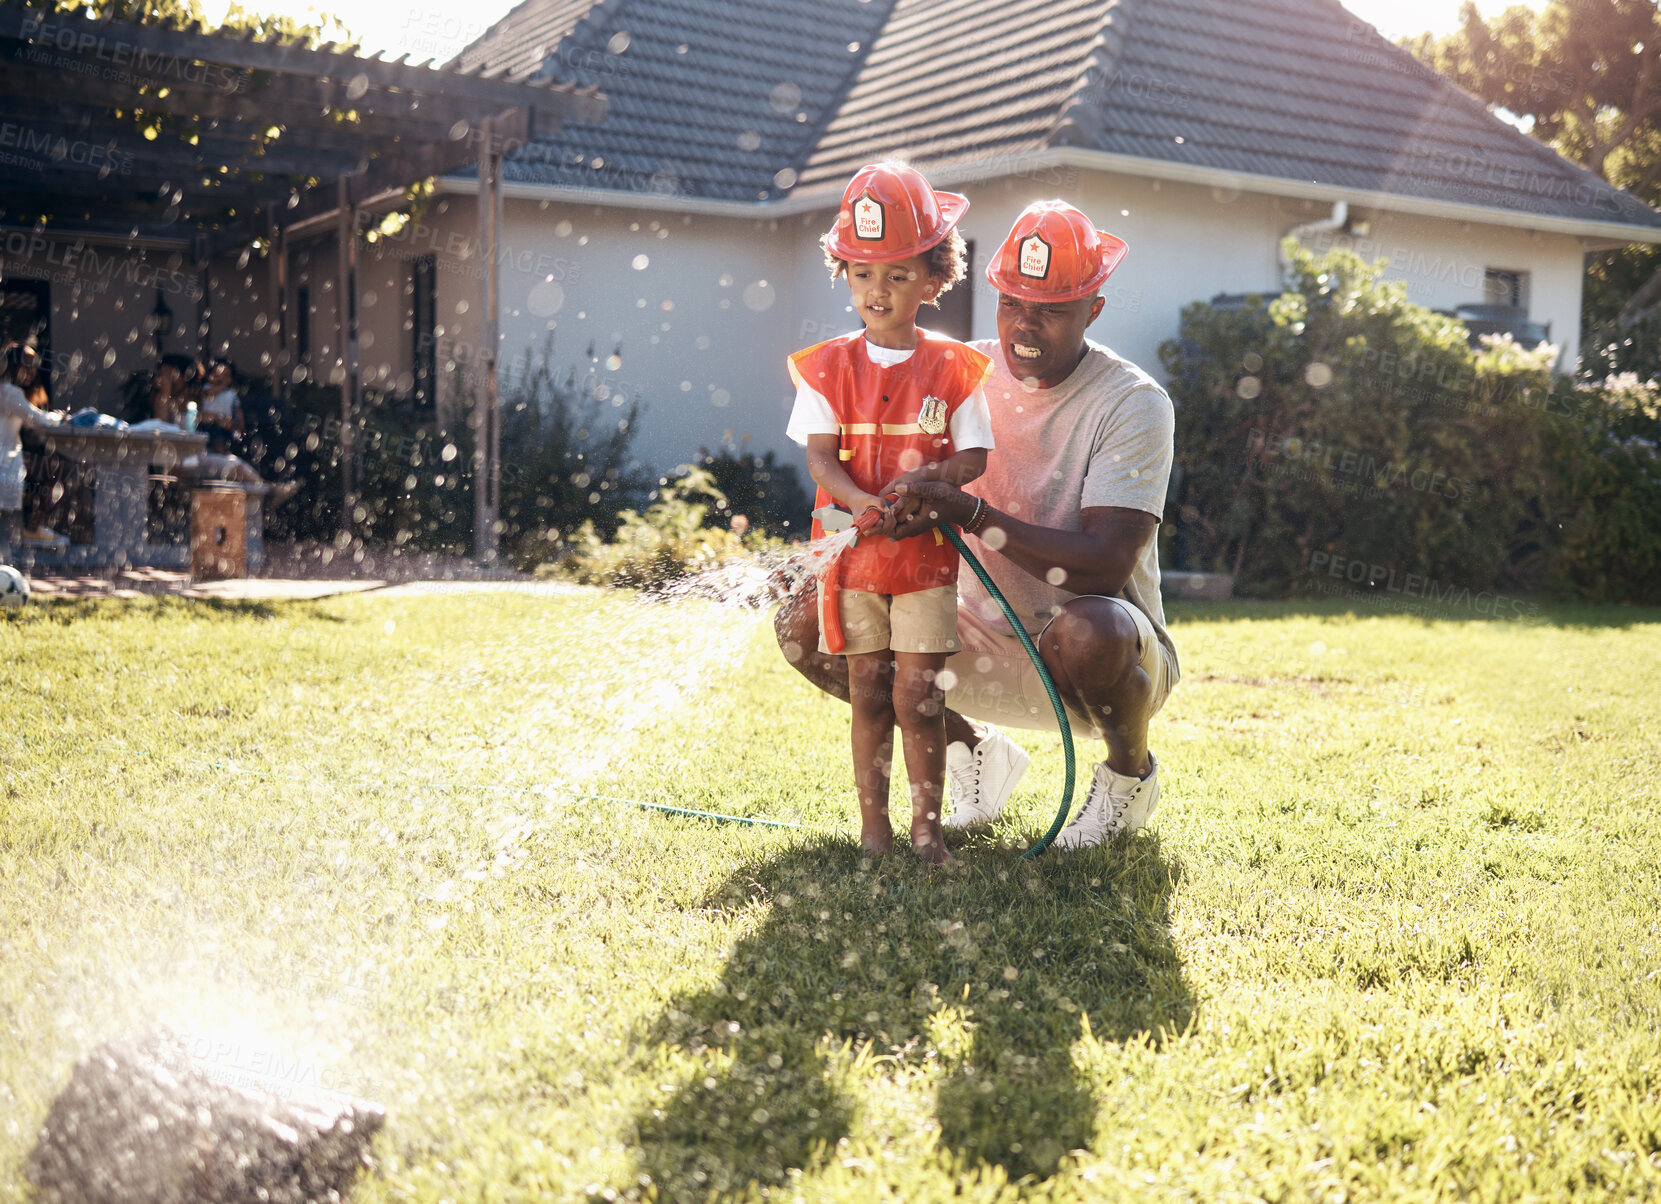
[1054,253]
[890,212]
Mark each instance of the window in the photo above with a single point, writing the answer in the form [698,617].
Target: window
[424,316]
[1501,286]
[957,310]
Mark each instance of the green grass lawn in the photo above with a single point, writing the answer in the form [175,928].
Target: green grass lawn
[1392,935]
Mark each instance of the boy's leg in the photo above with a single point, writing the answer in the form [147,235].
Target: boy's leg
[920,711]
[870,691]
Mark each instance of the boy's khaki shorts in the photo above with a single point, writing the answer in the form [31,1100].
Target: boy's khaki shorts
[923,621]
[993,678]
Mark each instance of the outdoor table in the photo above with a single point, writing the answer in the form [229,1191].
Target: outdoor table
[118,463]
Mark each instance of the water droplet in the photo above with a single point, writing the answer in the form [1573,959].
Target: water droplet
[545,299]
[785,97]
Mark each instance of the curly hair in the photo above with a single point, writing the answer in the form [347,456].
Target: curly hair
[946,261]
[14,357]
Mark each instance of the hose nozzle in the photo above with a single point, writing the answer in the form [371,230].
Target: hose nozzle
[866,522]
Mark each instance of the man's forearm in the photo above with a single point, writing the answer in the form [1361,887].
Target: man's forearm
[1078,561]
[962,467]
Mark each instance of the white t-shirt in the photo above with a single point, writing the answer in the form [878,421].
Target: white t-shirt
[971,424]
[1103,437]
[221,405]
[15,414]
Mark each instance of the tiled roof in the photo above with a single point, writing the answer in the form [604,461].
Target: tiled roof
[708,98]
[1301,90]
[744,99]
[972,78]
[517,45]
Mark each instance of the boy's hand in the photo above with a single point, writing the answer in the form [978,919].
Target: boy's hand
[924,505]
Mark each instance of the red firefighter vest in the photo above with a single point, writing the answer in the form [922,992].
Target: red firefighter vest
[892,419]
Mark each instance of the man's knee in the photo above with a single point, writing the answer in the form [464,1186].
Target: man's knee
[796,627]
[1092,643]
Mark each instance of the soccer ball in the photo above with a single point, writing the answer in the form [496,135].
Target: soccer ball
[14,586]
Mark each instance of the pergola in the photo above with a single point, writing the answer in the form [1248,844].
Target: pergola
[207,142]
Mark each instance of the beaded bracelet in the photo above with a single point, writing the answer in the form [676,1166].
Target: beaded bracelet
[978,519]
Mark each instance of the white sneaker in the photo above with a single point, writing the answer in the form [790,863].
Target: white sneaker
[1116,803]
[982,778]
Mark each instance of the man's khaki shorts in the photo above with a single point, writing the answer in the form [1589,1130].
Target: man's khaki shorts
[923,621]
[993,678]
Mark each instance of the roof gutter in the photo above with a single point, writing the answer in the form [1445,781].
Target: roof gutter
[821,196]
[1621,233]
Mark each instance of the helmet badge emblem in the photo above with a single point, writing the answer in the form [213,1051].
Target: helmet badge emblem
[1035,257]
[868,219]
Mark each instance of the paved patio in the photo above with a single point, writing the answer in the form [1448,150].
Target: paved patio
[303,571]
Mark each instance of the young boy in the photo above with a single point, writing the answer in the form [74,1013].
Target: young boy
[887,405]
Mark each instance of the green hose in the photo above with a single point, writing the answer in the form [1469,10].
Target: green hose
[1043,676]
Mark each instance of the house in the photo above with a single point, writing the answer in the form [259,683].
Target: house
[667,250]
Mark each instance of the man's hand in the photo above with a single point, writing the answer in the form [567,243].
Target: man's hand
[924,505]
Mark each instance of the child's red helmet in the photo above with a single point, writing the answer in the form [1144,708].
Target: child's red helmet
[1054,253]
[889,212]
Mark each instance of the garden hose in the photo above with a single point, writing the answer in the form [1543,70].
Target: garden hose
[834,643]
[1043,676]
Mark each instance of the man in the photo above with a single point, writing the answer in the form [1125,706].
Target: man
[1064,522]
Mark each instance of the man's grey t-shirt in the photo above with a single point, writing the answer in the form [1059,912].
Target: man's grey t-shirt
[1103,437]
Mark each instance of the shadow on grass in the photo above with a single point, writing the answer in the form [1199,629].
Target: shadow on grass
[976,977]
[1511,610]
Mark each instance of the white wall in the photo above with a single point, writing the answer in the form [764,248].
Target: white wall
[1443,263]
[694,315]
[691,315]
[101,302]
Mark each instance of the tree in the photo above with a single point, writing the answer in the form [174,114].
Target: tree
[183,13]
[1586,76]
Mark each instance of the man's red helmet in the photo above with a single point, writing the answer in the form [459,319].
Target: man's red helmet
[889,212]
[1054,253]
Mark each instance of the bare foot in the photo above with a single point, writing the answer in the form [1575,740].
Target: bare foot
[877,840]
[930,845]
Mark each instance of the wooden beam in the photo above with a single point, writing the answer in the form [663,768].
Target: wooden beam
[486,414]
[299,106]
[36,118]
[276,262]
[167,55]
[140,196]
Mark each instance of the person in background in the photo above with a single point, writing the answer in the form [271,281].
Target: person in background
[22,395]
[221,410]
[168,391]
[177,384]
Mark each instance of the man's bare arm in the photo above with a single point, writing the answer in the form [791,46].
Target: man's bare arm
[1096,560]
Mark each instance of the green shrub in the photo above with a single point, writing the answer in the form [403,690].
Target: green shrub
[767,494]
[671,541]
[564,462]
[1605,493]
[1341,419]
